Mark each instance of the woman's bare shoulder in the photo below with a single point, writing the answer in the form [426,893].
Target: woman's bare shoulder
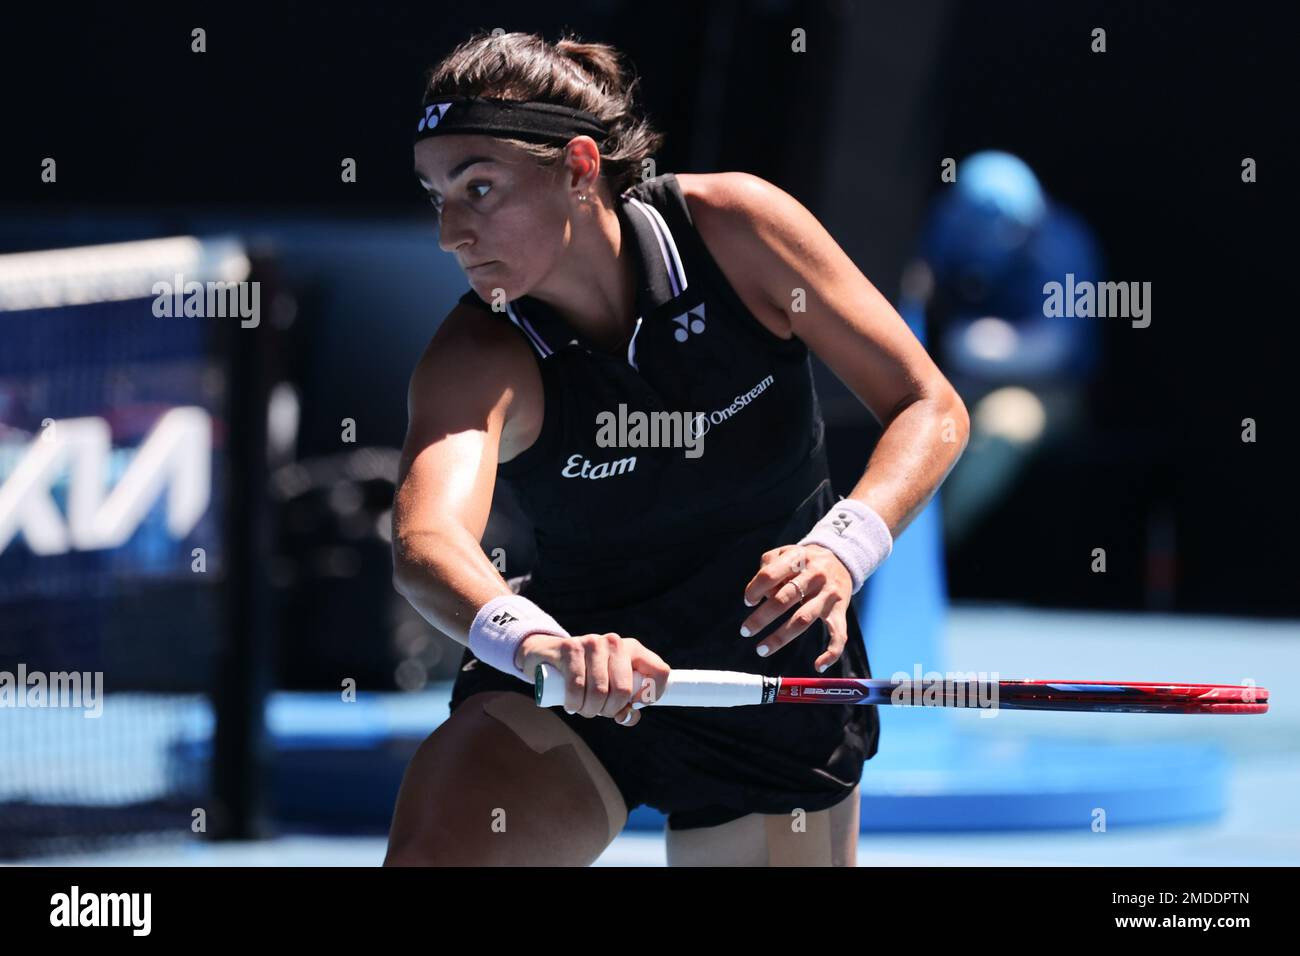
[720,205]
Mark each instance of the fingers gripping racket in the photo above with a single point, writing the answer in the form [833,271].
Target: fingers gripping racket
[708,688]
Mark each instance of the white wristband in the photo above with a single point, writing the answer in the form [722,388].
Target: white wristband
[857,535]
[500,627]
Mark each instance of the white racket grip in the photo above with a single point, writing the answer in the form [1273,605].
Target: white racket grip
[686,688]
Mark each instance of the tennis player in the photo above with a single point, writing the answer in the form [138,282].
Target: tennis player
[600,297]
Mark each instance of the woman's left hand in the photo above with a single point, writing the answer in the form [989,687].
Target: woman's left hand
[811,577]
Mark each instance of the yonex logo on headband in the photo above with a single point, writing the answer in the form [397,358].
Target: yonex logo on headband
[518,119]
[433,113]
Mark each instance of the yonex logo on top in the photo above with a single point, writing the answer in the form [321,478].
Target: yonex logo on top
[688,322]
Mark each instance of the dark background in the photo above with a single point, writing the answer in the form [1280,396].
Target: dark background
[1145,142]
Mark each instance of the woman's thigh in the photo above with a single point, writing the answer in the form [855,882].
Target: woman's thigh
[504,782]
[824,838]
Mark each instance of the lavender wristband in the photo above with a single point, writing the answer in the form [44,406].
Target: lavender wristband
[857,535]
[500,627]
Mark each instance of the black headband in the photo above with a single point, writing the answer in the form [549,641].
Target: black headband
[531,122]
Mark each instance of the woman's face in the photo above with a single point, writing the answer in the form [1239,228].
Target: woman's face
[503,216]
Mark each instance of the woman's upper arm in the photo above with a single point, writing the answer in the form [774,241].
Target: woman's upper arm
[761,231]
[458,403]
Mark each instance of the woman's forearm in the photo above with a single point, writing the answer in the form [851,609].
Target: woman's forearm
[918,448]
[446,577]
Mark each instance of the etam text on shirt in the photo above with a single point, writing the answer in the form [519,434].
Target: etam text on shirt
[581,467]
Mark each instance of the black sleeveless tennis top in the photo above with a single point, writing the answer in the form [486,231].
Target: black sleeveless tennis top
[696,349]
[652,544]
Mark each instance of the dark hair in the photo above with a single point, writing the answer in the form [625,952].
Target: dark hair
[570,72]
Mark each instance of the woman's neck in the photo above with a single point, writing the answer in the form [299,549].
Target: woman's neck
[594,290]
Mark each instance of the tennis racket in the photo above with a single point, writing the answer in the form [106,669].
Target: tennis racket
[709,688]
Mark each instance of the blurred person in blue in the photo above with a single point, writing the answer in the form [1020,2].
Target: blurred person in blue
[992,242]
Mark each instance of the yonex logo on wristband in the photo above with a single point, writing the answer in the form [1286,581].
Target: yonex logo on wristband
[857,536]
[501,625]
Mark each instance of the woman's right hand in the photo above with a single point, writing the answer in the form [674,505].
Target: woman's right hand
[598,672]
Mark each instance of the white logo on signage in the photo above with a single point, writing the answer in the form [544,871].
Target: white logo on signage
[175,456]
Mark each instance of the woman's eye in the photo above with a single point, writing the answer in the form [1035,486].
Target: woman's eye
[436,202]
